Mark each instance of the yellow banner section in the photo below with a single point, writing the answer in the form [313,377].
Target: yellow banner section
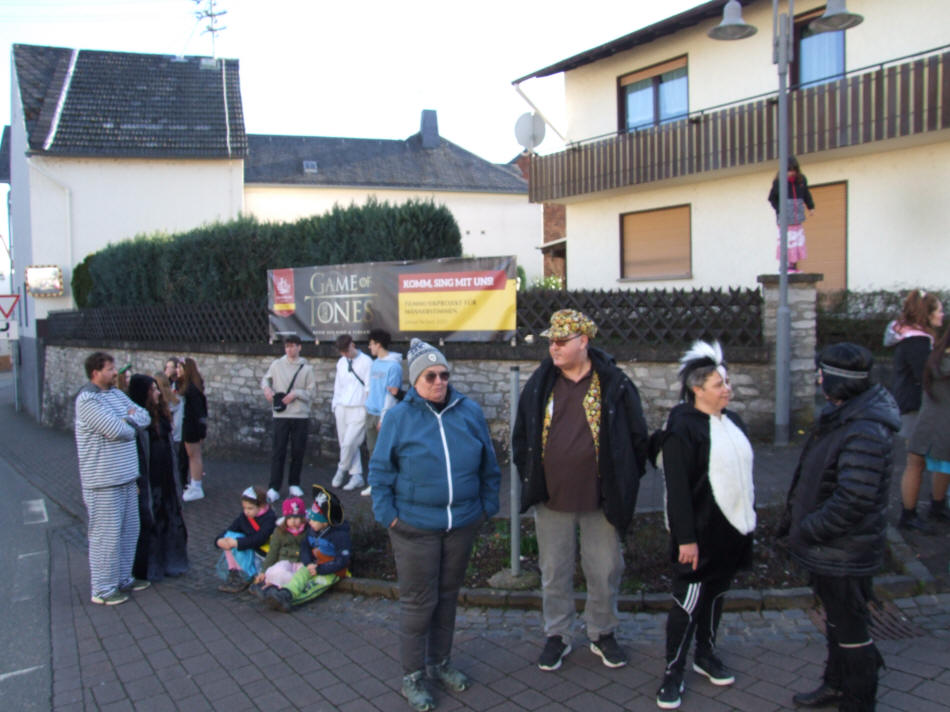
[482,310]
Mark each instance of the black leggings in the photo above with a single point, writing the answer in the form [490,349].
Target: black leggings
[697,608]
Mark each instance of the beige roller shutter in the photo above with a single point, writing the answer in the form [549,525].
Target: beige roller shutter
[656,244]
[826,236]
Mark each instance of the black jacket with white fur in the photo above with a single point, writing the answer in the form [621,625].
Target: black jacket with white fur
[692,512]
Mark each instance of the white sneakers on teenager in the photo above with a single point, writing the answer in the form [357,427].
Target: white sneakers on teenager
[295,491]
[272,495]
[367,492]
[338,478]
[356,482]
[192,492]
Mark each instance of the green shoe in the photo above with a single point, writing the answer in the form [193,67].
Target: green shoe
[135,584]
[414,690]
[451,677]
[111,599]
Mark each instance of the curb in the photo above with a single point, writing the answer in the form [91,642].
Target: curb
[916,579]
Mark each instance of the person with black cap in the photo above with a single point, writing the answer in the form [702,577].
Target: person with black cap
[835,519]
[706,459]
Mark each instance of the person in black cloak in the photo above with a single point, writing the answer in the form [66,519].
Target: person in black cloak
[162,546]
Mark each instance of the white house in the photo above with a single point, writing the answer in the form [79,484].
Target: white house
[107,145]
[672,150]
[289,177]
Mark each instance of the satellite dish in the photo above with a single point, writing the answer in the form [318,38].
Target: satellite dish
[529,130]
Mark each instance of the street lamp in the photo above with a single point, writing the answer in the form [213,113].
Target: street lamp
[836,17]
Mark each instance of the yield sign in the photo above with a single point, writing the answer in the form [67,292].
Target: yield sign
[8,303]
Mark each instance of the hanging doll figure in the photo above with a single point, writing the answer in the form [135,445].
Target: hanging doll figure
[799,198]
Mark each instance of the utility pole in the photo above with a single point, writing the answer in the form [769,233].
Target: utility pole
[208,10]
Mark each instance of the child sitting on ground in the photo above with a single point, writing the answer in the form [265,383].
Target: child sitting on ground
[283,555]
[324,554]
[242,541]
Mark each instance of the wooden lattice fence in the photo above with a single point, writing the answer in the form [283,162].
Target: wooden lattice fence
[649,318]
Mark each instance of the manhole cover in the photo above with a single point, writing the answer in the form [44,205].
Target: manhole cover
[887,622]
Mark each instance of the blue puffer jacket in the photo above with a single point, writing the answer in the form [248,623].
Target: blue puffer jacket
[434,470]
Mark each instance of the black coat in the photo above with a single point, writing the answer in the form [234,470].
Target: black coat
[692,513]
[838,498]
[623,438]
[910,357]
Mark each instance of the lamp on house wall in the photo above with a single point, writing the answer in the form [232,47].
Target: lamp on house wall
[836,17]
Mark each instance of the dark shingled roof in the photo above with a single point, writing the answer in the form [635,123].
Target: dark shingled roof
[378,163]
[130,105]
[659,29]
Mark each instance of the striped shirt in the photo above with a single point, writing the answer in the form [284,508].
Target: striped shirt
[105,436]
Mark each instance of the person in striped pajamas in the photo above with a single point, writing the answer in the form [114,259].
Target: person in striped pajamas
[106,423]
[710,511]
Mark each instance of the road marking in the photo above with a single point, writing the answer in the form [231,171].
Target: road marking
[34,511]
[30,576]
[24,671]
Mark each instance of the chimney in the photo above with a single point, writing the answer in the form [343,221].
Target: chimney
[429,129]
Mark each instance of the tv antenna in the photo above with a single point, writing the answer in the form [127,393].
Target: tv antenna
[208,10]
[529,130]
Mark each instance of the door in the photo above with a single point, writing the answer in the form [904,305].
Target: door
[826,236]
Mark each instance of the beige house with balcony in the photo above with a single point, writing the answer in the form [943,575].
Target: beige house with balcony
[672,151]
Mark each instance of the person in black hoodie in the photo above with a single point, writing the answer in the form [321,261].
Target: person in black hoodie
[710,511]
[835,519]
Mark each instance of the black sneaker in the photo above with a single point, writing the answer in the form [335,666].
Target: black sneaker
[670,694]
[279,599]
[939,511]
[913,522]
[608,650]
[823,696]
[711,667]
[555,650]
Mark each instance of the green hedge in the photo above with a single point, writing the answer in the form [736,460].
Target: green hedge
[861,317]
[228,261]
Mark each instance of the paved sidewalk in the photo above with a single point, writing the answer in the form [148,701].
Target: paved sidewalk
[183,645]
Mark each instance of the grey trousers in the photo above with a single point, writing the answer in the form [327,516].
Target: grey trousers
[430,566]
[601,561]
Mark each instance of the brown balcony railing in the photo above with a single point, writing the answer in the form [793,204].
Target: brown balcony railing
[888,102]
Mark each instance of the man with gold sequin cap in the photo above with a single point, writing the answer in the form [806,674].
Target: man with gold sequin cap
[580,443]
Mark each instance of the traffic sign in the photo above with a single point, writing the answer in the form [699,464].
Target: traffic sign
[9,331]
[8,303]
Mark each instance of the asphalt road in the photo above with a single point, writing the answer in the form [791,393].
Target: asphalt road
[26,520]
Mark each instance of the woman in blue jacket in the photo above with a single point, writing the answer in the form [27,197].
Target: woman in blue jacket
[434,480]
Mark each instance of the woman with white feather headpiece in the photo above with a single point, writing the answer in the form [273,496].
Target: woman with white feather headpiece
[706,459]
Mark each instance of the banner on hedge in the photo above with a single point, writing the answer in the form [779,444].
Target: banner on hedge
[456,299]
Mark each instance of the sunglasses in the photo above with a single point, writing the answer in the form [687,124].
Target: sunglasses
[431,376]
[564,342]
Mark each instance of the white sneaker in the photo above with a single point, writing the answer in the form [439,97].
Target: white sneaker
[272,495]
[338,478]
[192,492]
[356,481]
[295,491]
[366,492]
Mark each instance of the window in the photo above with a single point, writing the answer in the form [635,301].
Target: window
[654,95]
[656,244]
[819,57]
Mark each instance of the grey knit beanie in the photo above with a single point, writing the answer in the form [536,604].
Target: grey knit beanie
[420,357]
